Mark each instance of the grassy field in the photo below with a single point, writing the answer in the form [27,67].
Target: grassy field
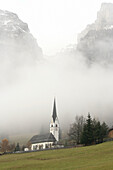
[98,157]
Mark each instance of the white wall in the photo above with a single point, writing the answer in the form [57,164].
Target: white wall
[41,145]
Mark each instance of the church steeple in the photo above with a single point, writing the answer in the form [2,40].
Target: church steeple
[54,125]
[54,111]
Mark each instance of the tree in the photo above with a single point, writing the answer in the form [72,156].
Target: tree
[5,145]
[23,147]
[94,122]
[11,147]
[96,131]
[93,131]
[104,131]
[17,148]
[76,129]
[29,145]
[99,131]
[87,134]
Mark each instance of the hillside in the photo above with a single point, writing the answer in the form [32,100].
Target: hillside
[85,158]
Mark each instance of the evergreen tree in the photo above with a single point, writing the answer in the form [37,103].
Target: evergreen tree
[84,139]
[17,148]
[94,122]
[87,137]
[104,131]
[93,131]
[98,131]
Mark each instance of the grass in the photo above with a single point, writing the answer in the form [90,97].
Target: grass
[99,157]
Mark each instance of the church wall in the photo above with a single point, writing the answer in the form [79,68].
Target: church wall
[42,145]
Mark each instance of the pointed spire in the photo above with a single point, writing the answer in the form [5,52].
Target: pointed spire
[54,111]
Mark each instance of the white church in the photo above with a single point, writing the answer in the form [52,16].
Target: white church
[49,140]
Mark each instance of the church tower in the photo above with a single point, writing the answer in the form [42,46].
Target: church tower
[54,125]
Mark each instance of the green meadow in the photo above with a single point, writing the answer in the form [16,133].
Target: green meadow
[98,157]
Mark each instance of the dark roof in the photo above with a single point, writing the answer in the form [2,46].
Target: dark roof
[43,138]
[54,112]
[110,129]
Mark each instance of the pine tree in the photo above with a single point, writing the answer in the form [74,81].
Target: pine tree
[93,131]
[104,131]
[17,148]
[87,137]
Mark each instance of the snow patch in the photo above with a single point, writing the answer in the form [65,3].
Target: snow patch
[108,27]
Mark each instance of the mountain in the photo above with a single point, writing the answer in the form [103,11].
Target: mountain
[96,41]
[17,44]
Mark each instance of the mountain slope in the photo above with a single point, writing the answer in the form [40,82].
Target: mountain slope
[96,41]
[17,44]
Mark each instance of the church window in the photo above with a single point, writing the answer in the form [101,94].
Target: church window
[34,147]
[46,146]
[41,146]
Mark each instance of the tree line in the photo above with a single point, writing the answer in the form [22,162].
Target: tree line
[87,131]
[5,146]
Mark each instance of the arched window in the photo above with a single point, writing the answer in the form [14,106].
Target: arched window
[56,125]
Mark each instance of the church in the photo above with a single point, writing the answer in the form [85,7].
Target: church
[50,139]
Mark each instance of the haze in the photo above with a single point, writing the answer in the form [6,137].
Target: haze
[27,92]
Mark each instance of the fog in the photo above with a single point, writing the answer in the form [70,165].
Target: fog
[27,92]
[79,77]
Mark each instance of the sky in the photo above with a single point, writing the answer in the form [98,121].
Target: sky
[54,23]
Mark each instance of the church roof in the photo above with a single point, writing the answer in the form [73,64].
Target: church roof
[43,138]
[54,111]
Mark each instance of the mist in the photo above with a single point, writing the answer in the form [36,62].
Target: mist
[27,93]
[79,77]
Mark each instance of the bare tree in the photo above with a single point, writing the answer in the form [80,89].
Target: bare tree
[29,145]
[5,145]
[11,147]
[76,129]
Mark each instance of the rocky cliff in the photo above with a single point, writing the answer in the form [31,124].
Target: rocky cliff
[17,44]
[96,41]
